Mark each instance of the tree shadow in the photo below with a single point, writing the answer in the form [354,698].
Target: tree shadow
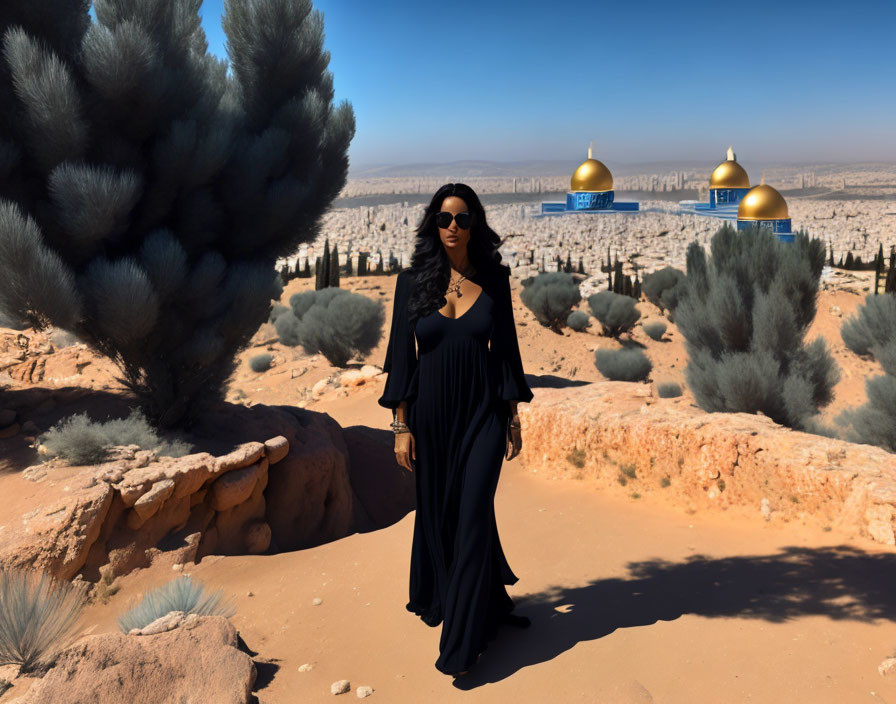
[840,582]
[552,381]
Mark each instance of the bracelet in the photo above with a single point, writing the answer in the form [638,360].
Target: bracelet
[399,427]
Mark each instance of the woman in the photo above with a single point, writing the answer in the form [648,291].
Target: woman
[454,399]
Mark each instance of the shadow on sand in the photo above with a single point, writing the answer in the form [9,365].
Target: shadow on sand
[840,582]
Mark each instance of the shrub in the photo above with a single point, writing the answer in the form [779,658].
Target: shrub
[655,284]
[622,365]
[744,330]
[81,441]
[655,330]
[551,297]
[668,389]
[36,615]
[874,423]
[873,324]
[261,362]
[148,188]
[276,311]
[181,594]
[334,322]
[616,312]
[578,320]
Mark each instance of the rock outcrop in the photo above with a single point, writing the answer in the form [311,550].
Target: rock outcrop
[618,432]
[291,490]
[196,660]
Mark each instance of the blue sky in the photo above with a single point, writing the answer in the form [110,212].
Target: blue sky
[792,81]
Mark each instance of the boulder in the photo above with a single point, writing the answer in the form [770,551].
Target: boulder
[198,660]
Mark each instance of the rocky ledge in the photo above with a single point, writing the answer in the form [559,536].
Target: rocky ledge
[618,432]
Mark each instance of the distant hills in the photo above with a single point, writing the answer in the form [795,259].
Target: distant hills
[526,169]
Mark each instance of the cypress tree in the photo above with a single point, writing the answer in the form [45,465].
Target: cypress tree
[849,260]
[617,278]
[627,286]
[581,266]
[831,260]
[334,268]
[840,263]
[146,191]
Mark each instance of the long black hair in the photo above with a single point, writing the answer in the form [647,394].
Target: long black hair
[430,265]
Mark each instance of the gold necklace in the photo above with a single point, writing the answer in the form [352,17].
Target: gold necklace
[456,286]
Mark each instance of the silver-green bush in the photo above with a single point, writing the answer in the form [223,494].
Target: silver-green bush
[668,389]
[578,320]
[873,324]
[655,330]
[261,362]
[744,317]
[333,322]
[181,594]
[37,614]
[551,297]
[623,365]
[80,440]
[616,312]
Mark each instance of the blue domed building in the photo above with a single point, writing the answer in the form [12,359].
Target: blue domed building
[764,206]
[728,184]
[590,191]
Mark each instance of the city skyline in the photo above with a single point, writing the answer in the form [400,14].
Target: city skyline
[790,83]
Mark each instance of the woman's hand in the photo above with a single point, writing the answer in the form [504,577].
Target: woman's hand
[514,443]
[405,450]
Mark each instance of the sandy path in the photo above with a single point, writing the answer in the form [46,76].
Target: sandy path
[745,621]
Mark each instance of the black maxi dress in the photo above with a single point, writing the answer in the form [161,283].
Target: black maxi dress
[457,382]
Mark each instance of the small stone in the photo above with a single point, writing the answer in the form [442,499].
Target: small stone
[178,567]
[306,667]
[317,601]
[887,668]
[765,509]
[340,687]
[364,691]
[250,593]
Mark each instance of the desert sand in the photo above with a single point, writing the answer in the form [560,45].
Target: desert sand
[630,601]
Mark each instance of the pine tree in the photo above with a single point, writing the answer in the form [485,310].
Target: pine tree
[147,188]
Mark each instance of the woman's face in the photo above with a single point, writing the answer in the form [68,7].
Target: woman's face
[453,237]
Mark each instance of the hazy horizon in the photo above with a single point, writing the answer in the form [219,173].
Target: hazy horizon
[789,83]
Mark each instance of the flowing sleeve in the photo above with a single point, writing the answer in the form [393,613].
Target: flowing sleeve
[401,353]
[506,348]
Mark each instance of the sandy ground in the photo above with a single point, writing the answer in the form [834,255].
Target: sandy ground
[630,601]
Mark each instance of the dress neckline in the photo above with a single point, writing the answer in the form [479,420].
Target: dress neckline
[481,291]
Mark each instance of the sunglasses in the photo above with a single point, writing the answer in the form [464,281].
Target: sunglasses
[444,218]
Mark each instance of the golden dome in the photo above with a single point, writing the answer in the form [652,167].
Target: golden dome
[762,202]
[591,175]
[729,174]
